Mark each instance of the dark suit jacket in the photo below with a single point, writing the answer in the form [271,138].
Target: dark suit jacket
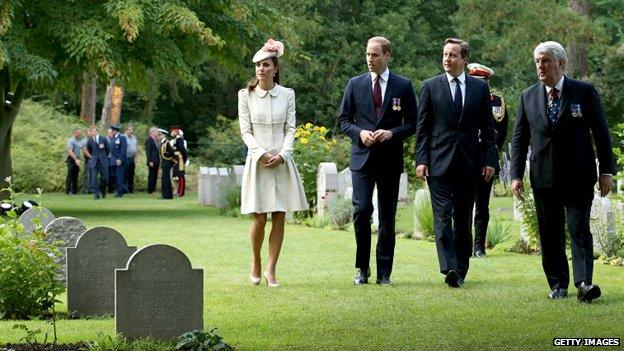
[561,154]
[358,113]
[152,152]
[99,151]
[443,136]
[118,146]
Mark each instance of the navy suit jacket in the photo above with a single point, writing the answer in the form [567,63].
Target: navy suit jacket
[444,136]
[99,151]
[358,113]
[561,154]
[118,146]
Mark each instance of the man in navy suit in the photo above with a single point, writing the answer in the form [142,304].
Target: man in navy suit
[454,147]
[97,151]
[118,162]
[559,117]
[378,112]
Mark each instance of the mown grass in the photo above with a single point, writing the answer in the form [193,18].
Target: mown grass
[502,306]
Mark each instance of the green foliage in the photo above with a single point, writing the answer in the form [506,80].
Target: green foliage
[340,210]
[222,145]
[31,335]
[119,343]
[529,222]
[423,215]
[232,199]
[28,271]
[497,232]
[500,189]
[312,147]
[318,221]
[197,340]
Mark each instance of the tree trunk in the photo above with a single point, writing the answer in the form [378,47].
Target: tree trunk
[88,98]
[116,100]
[8,114]
[111,110]
[578,44]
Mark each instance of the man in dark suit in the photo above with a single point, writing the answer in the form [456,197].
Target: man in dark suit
[378,112]
[118,145]
[97,151]
[558,117]
[454,147]
[152,154]
[484,189]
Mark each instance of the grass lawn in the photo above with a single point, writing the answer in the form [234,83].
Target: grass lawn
[503,304]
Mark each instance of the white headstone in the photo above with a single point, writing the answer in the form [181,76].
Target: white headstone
[602,225]
[203,186]
[28,218]
[403,189]
[237,174]
[223,182]
[345,181]
[326,185]
[158,294]
[213,175]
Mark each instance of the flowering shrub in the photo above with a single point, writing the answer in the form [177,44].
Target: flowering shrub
[312,147]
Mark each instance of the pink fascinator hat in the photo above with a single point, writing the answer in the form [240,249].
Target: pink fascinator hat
[272,48]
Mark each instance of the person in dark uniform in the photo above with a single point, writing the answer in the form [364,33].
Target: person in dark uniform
[179,159]
[482,196]
[118,145]
[166,162]
[152,154]
[97,151]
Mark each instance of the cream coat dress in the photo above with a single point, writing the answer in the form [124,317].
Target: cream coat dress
[267,123]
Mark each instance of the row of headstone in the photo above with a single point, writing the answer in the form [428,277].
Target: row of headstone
[153,292]
[213,182]
[331,184]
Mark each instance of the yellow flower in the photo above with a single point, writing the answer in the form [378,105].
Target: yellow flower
[297,134]
[322,138]
[328,146]
[323,130]
[303,140]
[334,141]
[309,125]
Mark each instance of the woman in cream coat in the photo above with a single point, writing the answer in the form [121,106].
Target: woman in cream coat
[271,182]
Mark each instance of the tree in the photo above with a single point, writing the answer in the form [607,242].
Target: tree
[45,44]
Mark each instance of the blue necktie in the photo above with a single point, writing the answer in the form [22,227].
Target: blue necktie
[457,101]
[553,104]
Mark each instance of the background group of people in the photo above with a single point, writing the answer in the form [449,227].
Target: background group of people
[460,126]
[110,162]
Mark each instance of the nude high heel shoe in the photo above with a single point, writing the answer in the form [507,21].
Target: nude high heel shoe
[254,280]
[274,284]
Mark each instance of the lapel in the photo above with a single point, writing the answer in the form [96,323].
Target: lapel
[468,96]
[565,98]
[443,87]
[539,95]
[390,88]
[366,87]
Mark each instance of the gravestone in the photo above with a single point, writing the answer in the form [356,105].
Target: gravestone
[345,181]
[64,231]
[158,294]
[91,271]
[213,174]
[602,223]
[223,182]
[326,185]
[236,172]
[375,216]
[403,189]
[44,215]
[619,187]
[202,186]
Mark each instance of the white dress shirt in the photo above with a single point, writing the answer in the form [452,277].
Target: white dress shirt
[462,85]
[559,87]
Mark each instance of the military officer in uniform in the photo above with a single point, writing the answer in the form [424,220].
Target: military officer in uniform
[179,159]
[166,162]
[482,196]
